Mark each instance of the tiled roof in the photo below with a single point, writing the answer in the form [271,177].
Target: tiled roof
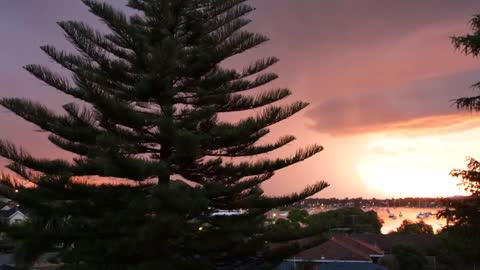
[8,213]
[339,248]
[359,245]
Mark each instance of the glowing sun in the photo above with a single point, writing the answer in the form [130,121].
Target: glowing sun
[411,167]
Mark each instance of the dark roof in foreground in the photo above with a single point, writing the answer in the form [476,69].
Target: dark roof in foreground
[333,266]
[339,248]
[8,213]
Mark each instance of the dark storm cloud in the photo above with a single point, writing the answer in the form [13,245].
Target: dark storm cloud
[384,108]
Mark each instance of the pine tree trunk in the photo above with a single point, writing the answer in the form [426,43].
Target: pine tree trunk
[164,180]
[165,153]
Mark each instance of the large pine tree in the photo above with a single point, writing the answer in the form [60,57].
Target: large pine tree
[148,97]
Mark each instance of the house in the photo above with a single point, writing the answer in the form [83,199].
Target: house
[12,215]
[276,214]
[339,252]
[220,212]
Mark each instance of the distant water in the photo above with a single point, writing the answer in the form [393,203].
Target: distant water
[408,213]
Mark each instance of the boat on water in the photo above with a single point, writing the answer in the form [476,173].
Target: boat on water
[421,215]
[424,215]
[392,216]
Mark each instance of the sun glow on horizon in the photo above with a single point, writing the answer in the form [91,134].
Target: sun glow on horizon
[403,166]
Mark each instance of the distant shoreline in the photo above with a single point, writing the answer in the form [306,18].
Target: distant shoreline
[411,202]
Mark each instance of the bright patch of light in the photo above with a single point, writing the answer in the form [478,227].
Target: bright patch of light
[403,166]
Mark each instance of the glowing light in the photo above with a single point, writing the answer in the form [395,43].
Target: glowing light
[405,166]
[200,228]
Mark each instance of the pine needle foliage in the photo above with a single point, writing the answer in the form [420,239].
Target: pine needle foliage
[469,44]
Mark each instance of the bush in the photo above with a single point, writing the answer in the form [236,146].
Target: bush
[409,258]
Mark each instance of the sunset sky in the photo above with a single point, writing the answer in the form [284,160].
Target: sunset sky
[380,77]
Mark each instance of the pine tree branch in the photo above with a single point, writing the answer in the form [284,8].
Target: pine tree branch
[81,115]
[47,120]
[253,150]
[104,42]
[116,20]
[136,169]
[116,111]
[231,10]
[273,202]
[239,102]
[226,31]
[87,71]
[470,43]
[74,147]
[243,140]
[239,43]
[468,103]
[69,61]
[22,172]
[221,190]
[259,66]
[55,80]
[229,135]
[230,87]
[10,152]
[78,36]
[218,167]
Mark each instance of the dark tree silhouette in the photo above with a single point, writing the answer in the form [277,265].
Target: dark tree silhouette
[469,44]
[466,212]
[409,258]
[149,94]
[411,227]
[297,215]
[463,215]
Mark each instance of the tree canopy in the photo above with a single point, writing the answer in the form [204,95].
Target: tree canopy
[461,236]
[411,227]
[469,44]
[409,258]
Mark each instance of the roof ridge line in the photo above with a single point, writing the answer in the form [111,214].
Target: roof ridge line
[350,248]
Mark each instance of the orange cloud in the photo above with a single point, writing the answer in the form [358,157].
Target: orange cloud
[418,105]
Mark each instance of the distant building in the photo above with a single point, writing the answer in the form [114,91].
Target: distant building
[220,212]
[340,252]
[12,215]
[276,214]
